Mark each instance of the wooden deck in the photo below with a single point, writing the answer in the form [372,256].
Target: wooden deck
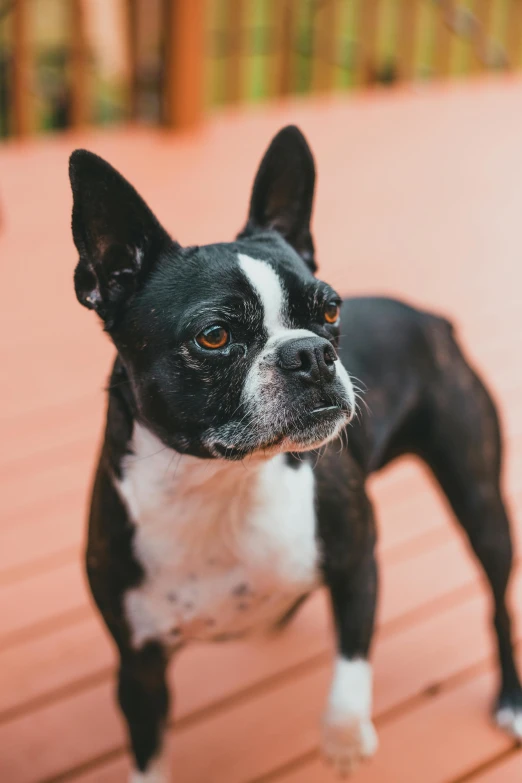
[419,195]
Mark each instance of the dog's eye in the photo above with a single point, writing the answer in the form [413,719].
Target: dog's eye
[215,336]
[332,311]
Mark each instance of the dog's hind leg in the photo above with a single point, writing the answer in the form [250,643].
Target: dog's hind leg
[461,442]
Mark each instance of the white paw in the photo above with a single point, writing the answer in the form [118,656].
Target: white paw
[510,719]
[348,742]
[157,772]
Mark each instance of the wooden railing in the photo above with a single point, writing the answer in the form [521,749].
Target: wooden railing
[215,52]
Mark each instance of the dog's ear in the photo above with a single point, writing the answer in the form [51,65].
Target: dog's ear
[117,236]
[283,192]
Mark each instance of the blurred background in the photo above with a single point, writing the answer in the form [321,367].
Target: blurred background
[67,62]
[413,109]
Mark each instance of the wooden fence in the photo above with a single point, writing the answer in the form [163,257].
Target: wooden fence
[214,52]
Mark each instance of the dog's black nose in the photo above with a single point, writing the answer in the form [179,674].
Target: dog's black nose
[310,358]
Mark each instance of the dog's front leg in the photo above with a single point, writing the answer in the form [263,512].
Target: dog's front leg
[144,700]
[348,734]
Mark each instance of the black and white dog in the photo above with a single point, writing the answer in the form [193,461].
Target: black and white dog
[211,516]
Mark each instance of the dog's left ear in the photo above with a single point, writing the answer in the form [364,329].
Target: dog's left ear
[117,236]
[283,192]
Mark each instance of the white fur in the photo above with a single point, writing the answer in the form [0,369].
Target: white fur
[351,689]
[267,285]
[510,719]
[157,771]
[347,383]
[348,732]
[226,547]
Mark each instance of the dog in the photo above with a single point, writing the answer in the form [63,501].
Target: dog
[212,515]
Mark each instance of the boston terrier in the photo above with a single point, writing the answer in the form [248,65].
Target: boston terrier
[231,481]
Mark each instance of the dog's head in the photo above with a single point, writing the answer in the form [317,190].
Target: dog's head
[229,349]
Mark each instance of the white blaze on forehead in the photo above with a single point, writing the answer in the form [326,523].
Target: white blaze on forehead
[267,285]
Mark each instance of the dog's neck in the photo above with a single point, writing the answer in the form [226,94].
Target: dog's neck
[215,489]
[196,473]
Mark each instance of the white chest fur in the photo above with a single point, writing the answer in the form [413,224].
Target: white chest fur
[227,548]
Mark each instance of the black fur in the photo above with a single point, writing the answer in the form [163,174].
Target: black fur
[283,193]
[421,395]
[116,235]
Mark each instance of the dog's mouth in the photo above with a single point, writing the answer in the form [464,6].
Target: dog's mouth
[318,426]
[308,430]
[326,410]
[321,418]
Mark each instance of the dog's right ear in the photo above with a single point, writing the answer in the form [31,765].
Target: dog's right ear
[117,236]
[283,193]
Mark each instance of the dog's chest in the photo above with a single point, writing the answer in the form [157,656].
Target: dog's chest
[225,549]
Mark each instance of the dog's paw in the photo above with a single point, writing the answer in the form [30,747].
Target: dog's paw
[508,714]
[157,772]
[348,742]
